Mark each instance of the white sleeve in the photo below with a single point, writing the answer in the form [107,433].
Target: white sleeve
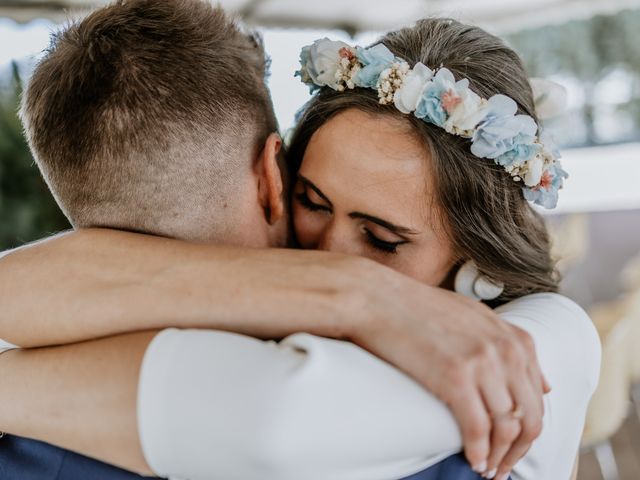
[4,346]
[217,405]
[569,352]
[221,405]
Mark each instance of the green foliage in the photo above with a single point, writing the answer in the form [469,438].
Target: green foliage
[27,209]
[584,49]
[587,50]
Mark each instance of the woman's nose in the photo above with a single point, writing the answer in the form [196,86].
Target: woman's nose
[335,239]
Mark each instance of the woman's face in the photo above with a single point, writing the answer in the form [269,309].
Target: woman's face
[364,188]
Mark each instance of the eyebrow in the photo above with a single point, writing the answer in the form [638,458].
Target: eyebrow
[384,223]
[364,216]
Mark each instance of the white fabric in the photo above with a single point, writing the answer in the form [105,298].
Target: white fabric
[216,405]
[4,346]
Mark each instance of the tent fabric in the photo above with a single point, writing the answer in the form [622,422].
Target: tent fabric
[360,15]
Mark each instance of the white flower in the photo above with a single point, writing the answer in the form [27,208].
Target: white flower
[471,110]
[534,171]
[550,98]
[409,94]
[324,61]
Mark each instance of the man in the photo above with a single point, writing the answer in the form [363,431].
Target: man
[153,117]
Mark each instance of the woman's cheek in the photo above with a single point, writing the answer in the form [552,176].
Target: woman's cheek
[308,226]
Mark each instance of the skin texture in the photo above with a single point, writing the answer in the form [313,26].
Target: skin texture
[118,283]
[394,188]
[40,380]
[389,215]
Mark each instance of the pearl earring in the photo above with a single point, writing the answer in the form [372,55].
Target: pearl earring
[470,283]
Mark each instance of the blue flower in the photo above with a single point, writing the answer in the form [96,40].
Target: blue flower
[319,64]
[550,145]
[430,107]
[547,196]
[502,130]
[374,60]
[304,57]
[307,72]
[558,174]
[519,154]
[540,196]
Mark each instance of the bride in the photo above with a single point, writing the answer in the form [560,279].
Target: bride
[421,152]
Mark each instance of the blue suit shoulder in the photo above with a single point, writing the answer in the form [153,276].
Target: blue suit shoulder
[26,459]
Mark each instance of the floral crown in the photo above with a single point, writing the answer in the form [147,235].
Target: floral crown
[493,127]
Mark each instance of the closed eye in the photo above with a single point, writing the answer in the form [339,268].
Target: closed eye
[306,202]
[382,245]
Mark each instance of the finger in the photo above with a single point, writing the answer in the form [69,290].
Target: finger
[505,469]
[523,360]
[537,387]
[546,386]
[526,341]
[473,419]
[505,428]
[531,424]
[537,379]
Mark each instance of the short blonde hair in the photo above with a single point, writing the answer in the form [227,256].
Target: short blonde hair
[145,110]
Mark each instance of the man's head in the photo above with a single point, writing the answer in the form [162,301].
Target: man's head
[154,116]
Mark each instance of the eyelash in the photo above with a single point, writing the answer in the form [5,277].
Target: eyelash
[375,242]
[381,245]
[306,202]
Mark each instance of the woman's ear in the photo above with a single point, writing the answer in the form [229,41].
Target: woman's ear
[270,186]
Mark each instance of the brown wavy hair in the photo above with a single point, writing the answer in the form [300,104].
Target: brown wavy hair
[483,209]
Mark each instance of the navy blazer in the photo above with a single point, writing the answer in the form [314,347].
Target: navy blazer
[25,459]
[454,467]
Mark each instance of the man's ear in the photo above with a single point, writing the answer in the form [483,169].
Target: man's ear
[270,187]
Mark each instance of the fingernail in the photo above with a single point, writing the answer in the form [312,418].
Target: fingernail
[480,467]
[491,474]
[503,476]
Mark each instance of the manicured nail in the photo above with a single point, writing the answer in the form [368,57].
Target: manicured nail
[480,467]
[491,474]
[503,476]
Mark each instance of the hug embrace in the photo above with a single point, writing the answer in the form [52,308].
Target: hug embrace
[374,300]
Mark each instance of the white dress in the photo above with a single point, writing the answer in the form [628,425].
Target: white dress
[217,405]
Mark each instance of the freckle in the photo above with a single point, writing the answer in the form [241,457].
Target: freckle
[225,205]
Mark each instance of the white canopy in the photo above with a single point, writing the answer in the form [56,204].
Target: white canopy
[360,15]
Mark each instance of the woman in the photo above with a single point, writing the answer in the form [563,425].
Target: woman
[421,152]
[376,181]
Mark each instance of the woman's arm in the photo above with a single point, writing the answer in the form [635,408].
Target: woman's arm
[334,399]
[569,351]
[216,402]
[97,283]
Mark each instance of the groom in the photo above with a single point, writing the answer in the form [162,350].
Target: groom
[131,133]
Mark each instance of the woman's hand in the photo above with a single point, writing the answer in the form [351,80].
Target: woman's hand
[484,369]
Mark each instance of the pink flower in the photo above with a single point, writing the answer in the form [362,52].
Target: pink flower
[546,181]
[450,100]
[346,52]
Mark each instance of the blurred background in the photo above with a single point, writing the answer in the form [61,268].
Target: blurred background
[591,47]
